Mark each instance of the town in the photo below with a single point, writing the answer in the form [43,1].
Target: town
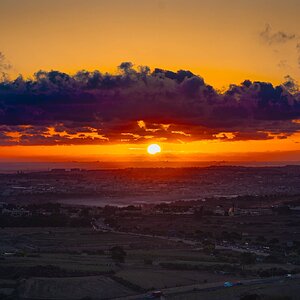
[129,225]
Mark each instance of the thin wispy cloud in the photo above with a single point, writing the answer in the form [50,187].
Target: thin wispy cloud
[271,37]
[275,38]
[5,66]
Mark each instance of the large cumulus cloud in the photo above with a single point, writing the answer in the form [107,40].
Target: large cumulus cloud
[138,105]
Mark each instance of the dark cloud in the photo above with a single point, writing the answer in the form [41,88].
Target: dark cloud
[4,67]
[279,37]
[298,51]
[291,85]
[283,64]
[137,105]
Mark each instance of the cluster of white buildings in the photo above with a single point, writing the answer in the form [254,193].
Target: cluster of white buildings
[13,212]
[235,211]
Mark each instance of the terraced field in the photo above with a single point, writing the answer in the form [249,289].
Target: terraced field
[96,287]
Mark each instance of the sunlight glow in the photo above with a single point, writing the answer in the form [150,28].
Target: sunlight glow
[153,149]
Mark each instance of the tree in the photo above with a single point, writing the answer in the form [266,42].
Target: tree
[251,297]
[209,247]
[261,239]
[109,210]
[85,212]
[118,254]
[198,213]
[148,261]
[247,258]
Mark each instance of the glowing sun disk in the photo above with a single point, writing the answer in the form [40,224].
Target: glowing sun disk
[153,149]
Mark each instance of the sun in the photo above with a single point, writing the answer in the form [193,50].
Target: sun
[153,149]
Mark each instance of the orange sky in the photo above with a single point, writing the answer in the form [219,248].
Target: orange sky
[277,150]
[218,40]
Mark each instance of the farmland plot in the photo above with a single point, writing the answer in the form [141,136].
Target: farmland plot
[96,287]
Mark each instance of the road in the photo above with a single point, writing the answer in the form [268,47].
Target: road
[210,287]
[184,241]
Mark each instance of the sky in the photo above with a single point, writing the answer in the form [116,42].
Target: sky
[221,80]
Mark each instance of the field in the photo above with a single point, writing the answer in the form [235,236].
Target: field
[99,287]
[44,263]
[51,261]
[151,279]
[282,227]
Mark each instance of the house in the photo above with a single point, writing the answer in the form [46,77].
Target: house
[219,211]
[16,212]
[3,204]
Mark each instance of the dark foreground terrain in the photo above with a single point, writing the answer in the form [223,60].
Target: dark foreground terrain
[237,245]
[81,263]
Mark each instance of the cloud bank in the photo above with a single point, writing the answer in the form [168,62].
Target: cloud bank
[140,105]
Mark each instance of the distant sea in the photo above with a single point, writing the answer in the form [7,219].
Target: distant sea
[13,167]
